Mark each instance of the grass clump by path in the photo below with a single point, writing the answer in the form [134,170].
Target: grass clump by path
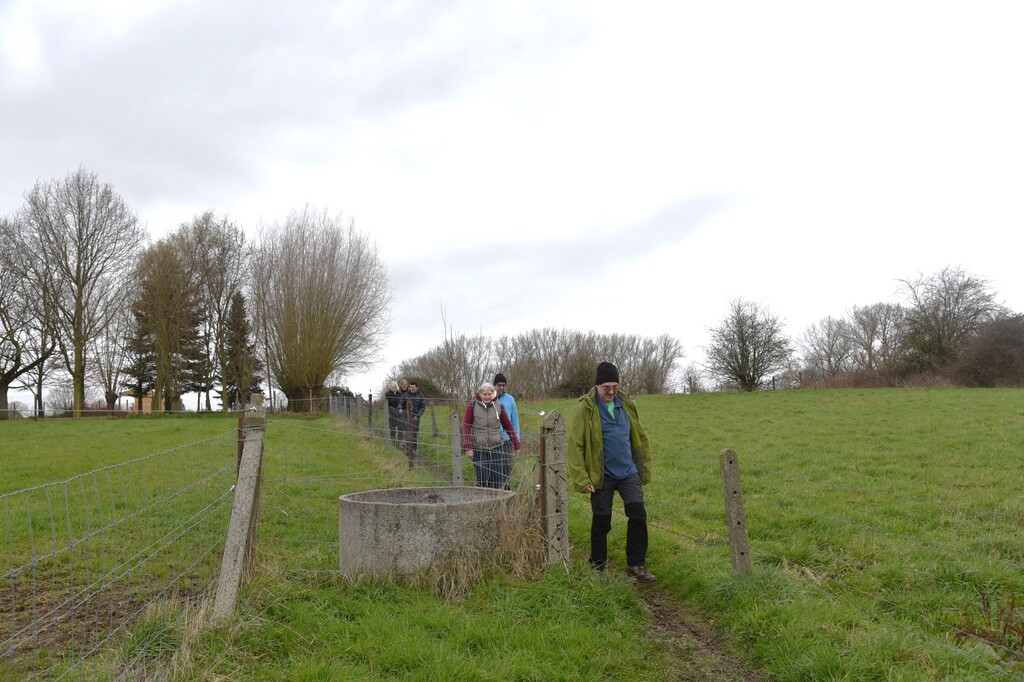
[570,625]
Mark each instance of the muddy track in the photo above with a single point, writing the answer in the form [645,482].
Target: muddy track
[690,640]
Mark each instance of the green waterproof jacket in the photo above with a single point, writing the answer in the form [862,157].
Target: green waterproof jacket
[586,443]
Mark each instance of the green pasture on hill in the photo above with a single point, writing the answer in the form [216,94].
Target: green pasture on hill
[887,531]
[34,452]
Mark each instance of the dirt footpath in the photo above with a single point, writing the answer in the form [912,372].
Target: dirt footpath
[690,642]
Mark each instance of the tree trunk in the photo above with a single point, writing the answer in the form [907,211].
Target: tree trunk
[78,381]
[4,406]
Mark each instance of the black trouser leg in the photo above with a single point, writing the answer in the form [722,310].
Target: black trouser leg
[636,533]
[599,527]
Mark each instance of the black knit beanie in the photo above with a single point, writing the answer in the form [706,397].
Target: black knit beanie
[499,378]
[606,372]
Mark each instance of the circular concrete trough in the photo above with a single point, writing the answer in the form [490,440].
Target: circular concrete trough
[404,530]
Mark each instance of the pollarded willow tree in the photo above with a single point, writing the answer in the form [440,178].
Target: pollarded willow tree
[322,299]
[748,345]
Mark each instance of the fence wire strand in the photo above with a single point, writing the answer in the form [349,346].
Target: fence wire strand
[89,556]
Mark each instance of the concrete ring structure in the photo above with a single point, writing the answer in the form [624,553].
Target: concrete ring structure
[403,530]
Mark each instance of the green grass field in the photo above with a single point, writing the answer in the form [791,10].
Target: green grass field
[886,528]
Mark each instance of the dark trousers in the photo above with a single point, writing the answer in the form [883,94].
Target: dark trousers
[487,465]
[394,428]
[412,435]
[508,453]
[632,493]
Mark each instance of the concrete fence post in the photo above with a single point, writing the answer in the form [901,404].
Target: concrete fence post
[241,539]
[736,517]
[554,488]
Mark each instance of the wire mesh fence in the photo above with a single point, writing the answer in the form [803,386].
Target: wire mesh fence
[101,567]
[936,570]
[117,557]
[309,465]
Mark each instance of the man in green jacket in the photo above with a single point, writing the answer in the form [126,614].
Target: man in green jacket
[608,451]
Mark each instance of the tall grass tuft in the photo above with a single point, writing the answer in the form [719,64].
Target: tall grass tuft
[517,550]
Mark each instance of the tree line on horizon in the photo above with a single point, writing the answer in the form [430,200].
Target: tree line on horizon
[542,362]
[949,330]
[88,303]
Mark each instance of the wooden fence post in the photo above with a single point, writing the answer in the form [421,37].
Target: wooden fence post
[241,538]
[554,488]
[739,541]
[455,428]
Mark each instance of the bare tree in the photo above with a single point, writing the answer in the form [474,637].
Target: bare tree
[944,310]
[828,349]
[749,344]
[693,379]
[995,356]
[647,364]
[88,239]
[877,332]
[26,328]
[323,301]
[109,354]
[458,365]
[535,358]
[548,361]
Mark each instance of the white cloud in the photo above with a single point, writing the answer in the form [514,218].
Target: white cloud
[520,147]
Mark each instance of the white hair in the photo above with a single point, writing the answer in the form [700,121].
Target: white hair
[484,385]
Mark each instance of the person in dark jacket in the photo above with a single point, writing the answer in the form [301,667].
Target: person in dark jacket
[482,437]
[394,400]
[415,406]
[608,451]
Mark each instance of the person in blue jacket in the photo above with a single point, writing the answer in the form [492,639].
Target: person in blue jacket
[507,460]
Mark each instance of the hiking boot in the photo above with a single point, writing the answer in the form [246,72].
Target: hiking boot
[641,573]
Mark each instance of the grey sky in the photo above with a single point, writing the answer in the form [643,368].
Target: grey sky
[526,164]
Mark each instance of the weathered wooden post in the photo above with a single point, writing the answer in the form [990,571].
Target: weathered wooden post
[369,412]
[455,428]
[241,540]
[739,541]
[554,488]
